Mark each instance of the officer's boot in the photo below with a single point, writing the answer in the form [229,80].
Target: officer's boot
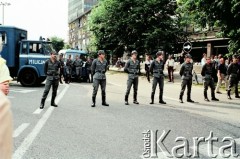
[126,100]
[42,103]
[236,94]
[152,98]
[189,98]
[135,99]
[229,94]
[104,101]
[93,101]
[205,97]
[213,96]
[161,98]
[53,102]
[180,98]
[60,80]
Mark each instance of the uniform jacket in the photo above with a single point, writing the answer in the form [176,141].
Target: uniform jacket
[51,69]
[78,63]
[186,71]
[99,69]
[133,69]
[157,68]
[233,70]
[208,71]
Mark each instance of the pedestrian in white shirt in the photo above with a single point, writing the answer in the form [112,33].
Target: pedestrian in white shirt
[170,66]
[203,61]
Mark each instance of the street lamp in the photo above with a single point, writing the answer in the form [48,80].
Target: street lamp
[3,5]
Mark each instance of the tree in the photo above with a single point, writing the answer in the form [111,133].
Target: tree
[219,13]
[136,24]
[58,43]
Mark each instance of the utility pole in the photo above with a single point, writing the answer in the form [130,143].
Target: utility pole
[3,5]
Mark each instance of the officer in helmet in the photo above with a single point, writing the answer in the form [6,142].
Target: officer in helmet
[157,67]
[99,68]
[186,76]
[233,72]
[132,67]
[208,72]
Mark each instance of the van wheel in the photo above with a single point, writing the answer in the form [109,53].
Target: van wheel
[28,78]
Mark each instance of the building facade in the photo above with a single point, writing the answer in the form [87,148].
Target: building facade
[78,12]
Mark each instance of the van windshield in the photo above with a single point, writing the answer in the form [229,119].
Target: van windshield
[47,47]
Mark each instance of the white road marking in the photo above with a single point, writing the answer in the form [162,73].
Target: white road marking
[20,129]
[10,97]
[38,111]
[21,150]
[114,84]
[22,90]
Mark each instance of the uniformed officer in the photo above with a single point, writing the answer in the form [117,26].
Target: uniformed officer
[99,68]
[69,65]
[186,76]
[207,72]
[78,66]
[233,72]
[51,69]
[132,67]
[157,67]
[61,60]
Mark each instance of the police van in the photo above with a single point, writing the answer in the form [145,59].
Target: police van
[25,58]
[81,54]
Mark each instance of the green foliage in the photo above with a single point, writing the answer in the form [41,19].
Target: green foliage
[136,24]
[58,43]
[219,13]
[67,46]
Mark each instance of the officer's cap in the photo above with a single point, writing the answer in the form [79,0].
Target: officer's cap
[159,53]
[188,56]
[54,52]
[134,52]
[100,52]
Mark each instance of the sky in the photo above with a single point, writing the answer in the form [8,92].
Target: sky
[46,18]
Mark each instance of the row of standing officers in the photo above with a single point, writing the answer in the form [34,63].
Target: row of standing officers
[132,67]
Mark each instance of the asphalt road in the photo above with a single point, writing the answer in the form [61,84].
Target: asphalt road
[74,130]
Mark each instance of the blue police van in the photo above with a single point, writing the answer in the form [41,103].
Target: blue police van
[25,58]
[80,53]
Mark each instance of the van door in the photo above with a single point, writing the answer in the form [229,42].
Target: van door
[36,56]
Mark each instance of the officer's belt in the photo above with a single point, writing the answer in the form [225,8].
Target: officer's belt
[161,72]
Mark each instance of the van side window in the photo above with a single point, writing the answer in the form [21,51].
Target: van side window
[3,38]
[35,48]
[24,48]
